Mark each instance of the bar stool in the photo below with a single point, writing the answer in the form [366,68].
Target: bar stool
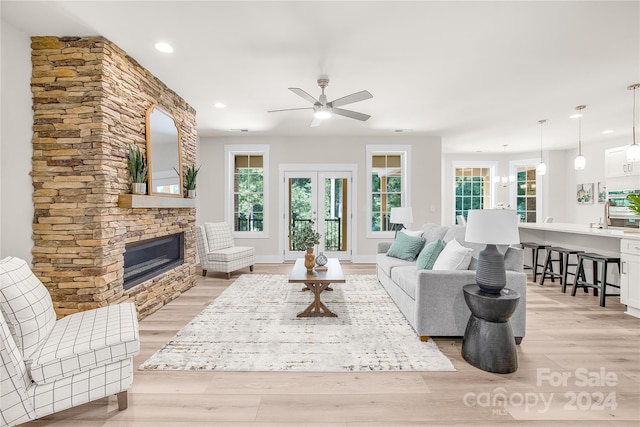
[597,284]
[564,262]
[535,251]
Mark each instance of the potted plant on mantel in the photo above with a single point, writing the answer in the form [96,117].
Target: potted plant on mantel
[138,170]
[189,179]
[305,238]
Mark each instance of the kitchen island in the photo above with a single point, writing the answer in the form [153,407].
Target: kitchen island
[623,243]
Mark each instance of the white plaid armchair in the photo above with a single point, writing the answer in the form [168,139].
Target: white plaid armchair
[49,365]
[217,251]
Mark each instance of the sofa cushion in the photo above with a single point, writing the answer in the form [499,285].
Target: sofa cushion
[405,247]
[454,256]
[429,254]
[231,254]
[218,235]
[406,277]
[432,232]
[387,263]
[27,305]
[85,340]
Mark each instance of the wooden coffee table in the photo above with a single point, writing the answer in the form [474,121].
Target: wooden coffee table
[317,282]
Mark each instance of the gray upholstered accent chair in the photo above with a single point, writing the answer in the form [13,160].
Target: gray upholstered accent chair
[217,250]
[50,365]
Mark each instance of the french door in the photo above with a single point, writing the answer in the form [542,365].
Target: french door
[324,198]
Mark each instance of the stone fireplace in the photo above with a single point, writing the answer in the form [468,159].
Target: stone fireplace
[89,104]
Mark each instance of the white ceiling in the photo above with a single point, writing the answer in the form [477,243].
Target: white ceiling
[479,74]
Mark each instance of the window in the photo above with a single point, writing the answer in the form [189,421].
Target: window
[387,185]
[247,178]
[472,189]
[526,197]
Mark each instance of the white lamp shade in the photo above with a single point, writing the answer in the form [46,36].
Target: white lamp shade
[580,162]
[492,226]
[633,153]
[401,216]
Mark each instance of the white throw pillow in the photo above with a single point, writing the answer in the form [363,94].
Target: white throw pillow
[454,256]
[27,305]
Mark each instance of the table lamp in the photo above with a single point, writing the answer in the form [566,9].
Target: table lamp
[401,216]
[493,227]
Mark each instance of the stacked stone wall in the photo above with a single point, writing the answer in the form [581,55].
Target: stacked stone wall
[89,102]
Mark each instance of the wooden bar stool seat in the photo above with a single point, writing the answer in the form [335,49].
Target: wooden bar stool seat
[564,262]
[535,252]
[598,284]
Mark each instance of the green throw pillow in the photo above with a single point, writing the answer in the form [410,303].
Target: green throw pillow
[429,254]
[405,247]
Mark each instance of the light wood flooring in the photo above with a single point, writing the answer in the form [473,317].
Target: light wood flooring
[570,336]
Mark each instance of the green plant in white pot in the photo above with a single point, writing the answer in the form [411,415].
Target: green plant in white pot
[189,180]
[138,170]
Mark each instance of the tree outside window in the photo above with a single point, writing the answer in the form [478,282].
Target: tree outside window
[248,193]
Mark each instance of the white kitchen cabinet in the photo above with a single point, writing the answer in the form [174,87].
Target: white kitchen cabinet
[630,275]
[616,164]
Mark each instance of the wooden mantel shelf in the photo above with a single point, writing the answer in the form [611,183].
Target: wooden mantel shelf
[140,201]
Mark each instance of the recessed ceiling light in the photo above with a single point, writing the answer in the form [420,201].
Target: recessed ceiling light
[608,131]
[220,105]
[163,47]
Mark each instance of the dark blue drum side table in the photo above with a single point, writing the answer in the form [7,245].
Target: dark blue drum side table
[488,341]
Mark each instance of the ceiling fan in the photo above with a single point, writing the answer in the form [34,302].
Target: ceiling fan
[323,109]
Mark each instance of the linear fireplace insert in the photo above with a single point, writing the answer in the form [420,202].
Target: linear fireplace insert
[146,259]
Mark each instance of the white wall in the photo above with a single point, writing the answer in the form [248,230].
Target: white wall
[16,205]
[424,167]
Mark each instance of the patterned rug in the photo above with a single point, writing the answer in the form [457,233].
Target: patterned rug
[252,326]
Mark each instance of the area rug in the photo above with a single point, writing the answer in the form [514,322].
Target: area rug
[252,326]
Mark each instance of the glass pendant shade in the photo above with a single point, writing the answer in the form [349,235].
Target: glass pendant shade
[541,169]
[580,162]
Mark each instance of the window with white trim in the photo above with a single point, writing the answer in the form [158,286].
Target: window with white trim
[246,201]
[387,186]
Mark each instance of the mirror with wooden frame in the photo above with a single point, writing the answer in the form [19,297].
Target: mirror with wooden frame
[163,153]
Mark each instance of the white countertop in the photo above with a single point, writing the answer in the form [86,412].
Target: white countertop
[582,229]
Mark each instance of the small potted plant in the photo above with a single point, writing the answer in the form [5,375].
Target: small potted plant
[634,202]
[138,170]
[305,238]
[189,180]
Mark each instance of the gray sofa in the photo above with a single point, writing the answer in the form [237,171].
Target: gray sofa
[433,301]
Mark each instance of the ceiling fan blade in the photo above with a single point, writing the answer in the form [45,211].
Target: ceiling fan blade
[351,114]
[350,99]
[315,122]
[303,94]
[290,109]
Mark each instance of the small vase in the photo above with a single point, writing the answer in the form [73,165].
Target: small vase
[138,188]
[321,259]
[309,260]
[191,194]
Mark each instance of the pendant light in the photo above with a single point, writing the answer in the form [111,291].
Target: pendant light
[633,151]
[541,169]
[506,180]
[580,162]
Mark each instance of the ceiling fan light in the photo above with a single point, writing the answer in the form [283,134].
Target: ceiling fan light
[633,153]
[541,169]
[579,163]
[322,114]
